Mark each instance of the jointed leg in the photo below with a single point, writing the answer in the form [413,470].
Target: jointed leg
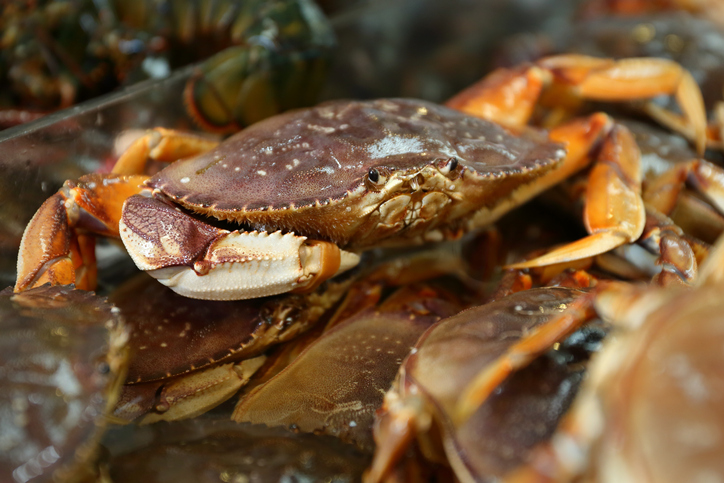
[509,96]
[58,244]
[165,145]
[614,211]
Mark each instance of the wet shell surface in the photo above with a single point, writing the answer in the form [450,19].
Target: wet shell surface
[62,356]
[322,172]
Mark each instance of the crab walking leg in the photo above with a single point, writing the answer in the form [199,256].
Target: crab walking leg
[201,261]
[523,353]
[705,177]
[678,123]
[159,144]
[678,255]
[614,212]
[509,96]
[632,79]
[58,246]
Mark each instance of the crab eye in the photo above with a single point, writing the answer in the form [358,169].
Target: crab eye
[376,177]
[448,166]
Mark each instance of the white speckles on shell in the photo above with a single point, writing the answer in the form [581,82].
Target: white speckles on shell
[388,105]
[295,163]
[185,179]
[261,172]
[394,145]
[321,129]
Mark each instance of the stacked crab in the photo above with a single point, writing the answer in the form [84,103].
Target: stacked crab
[592,359]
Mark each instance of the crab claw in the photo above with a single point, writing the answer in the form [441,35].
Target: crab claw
[201,261]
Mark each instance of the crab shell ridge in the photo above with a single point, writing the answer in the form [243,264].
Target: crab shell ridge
[360,172]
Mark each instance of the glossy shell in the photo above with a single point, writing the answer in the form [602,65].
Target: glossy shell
[185,350]
[61,362]
[661,391]
[432,380]
[172,334]
[342,160]
[335,386]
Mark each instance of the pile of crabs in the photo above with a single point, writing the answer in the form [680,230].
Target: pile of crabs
[357,290]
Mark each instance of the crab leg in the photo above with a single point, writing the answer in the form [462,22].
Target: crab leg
[614,211]
[198,260]
[58,246]
[678,255]
[705,177]
[159,144]
[523,353]
[509,96]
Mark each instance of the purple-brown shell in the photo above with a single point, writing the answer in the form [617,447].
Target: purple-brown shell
[323,153]
[335,386]
[173,335]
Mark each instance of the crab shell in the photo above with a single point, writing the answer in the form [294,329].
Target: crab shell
[362,173]
[352,174]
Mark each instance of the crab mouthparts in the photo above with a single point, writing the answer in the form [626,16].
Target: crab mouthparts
[200,261]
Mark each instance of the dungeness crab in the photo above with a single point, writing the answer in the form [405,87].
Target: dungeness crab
[304,187]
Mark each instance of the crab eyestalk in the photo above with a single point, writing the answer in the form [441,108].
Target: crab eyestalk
[201,261]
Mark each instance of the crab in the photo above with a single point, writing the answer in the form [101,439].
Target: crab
[337,383]
[650,409]
[290,201]
[191,355]
[617,428]
[423,407]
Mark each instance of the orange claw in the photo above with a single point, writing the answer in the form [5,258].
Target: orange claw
[57,245]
